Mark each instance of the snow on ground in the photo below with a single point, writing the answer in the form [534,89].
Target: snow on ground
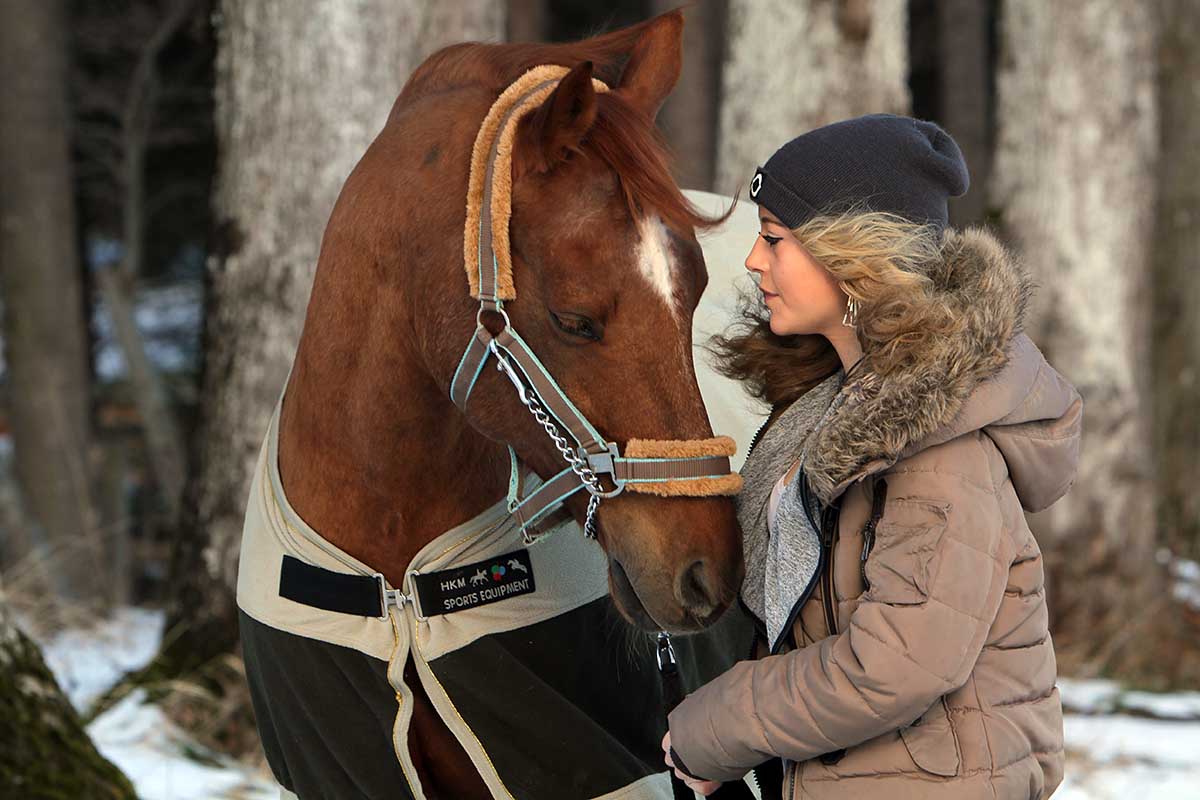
[152,751]
[1186,575]
[1129,743]
[88,662]
[1120,742]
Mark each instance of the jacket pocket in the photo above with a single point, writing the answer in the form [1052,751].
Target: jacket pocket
[906,538]
[931,742]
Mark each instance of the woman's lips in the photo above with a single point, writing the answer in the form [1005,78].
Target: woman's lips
[768,295]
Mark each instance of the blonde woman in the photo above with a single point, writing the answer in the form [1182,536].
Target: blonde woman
[903,649]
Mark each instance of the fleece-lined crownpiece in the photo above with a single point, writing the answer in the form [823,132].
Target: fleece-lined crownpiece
[489,189]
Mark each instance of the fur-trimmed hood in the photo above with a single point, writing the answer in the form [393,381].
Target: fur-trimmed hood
[991,377]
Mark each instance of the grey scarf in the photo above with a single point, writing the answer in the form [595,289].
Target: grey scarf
[779,569]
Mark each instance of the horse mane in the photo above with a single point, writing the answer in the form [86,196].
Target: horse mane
[622,136]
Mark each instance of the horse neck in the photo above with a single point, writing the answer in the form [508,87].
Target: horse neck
[378,460]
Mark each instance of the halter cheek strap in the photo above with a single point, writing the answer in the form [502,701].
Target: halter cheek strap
[695,467]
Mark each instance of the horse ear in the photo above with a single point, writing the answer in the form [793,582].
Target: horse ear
[654,64]
[550,133]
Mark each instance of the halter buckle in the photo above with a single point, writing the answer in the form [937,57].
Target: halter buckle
[604,462]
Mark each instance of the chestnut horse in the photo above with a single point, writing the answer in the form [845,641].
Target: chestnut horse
[373,452]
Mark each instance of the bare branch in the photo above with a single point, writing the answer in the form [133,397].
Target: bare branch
[144,76]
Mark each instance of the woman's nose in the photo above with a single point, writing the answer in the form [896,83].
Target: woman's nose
[752,264]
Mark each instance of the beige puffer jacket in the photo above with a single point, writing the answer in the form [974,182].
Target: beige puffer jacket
[932,667]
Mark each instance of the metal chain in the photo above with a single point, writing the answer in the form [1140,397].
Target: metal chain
[578,465]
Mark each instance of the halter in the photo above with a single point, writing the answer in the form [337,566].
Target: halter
[693,467]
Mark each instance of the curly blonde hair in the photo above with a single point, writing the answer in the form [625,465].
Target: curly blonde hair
[884,262]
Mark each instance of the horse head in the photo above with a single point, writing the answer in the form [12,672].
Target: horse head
[608,272]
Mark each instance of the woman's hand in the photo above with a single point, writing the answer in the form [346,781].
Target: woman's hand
[700,787]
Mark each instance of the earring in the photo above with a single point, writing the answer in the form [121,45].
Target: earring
[850,318]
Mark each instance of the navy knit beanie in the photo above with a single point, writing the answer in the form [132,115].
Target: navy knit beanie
[906,166]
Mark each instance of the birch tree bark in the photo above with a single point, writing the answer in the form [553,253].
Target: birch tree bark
[44,327]
[302,89]
[1074,180]
[794,65]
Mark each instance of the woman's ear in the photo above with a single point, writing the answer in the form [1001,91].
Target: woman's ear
[548,135]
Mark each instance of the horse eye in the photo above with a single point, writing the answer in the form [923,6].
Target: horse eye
[577,325]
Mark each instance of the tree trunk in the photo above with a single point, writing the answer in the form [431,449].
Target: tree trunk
[688,119]
[1177,280]
[964,76]
[46,753]
[794,65]
[302,89]
[1074,182]
[44,330]
[526,21]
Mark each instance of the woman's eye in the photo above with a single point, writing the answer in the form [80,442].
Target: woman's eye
[577,326]
[771,240]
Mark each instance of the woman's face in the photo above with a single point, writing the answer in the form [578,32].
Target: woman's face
[800,294]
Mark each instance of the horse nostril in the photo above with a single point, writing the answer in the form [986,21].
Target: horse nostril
[693,590]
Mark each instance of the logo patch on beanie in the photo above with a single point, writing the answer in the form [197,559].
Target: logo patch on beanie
[755,184]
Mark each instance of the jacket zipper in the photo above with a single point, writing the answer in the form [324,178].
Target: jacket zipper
[757,433]
[877,501]
[878,497]
[828,541]
[821,562]
[830,521]
[800,601]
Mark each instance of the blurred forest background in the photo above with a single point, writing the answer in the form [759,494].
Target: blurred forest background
[167,168]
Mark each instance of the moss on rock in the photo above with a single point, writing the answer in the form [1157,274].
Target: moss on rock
[45,753]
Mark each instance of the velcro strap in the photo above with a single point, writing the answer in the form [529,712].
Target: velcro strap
[333,591]
[443,592]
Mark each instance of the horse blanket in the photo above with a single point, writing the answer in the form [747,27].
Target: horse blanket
[549,692]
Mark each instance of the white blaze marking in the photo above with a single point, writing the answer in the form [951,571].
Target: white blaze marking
[654,259]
